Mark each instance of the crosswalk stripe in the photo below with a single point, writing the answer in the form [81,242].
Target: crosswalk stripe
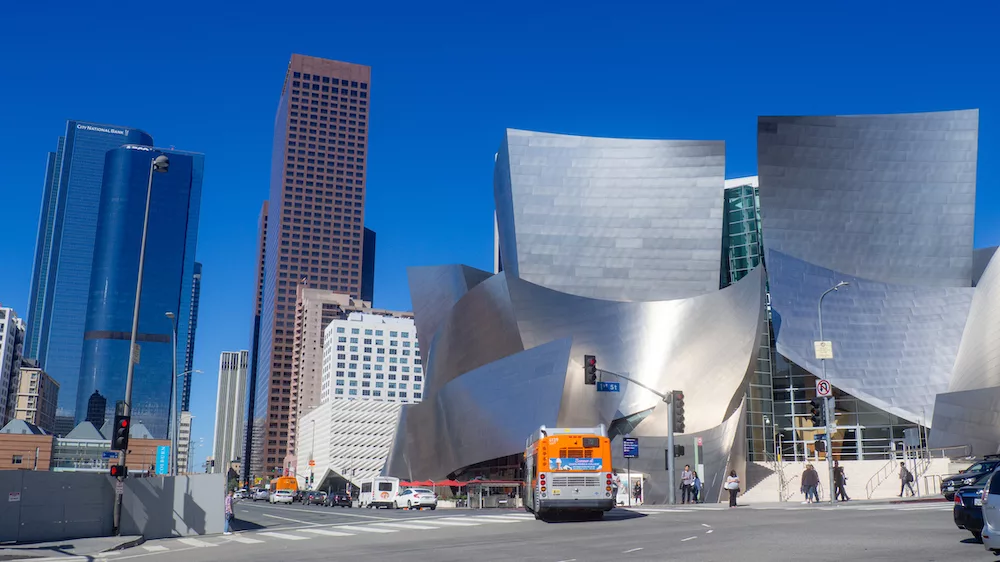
[244,540]
[408,526]
[327,532]
[284,536]
[195,542]
[366,529]
[154,547]
[456,522]
[488,519]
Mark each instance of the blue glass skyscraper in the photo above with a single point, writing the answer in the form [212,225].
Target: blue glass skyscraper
[167,280]
[65,250]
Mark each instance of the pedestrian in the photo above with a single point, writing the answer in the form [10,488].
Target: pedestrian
[905,479]
[810,482]
[696,484]
[733,485]
[615,486]
[637,492]
[839,480]
[687,484]
[229,513]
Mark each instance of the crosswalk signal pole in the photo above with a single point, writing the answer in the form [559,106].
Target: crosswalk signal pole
[671,462]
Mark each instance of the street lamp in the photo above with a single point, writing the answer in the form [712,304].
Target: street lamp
[159,164]
[826,403]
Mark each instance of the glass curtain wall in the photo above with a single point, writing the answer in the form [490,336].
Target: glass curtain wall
[743,250]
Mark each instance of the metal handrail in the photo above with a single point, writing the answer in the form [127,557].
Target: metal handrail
[879,477]
[779,468]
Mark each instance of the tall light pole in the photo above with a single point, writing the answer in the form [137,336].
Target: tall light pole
[173,394]
[159,164]
[827,401]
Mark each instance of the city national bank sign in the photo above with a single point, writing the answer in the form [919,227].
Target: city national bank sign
[97,129]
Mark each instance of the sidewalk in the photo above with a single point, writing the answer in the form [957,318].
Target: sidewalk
[885,501]
[68,548]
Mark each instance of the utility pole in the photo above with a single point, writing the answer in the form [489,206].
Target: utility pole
[828,401]
[668,400]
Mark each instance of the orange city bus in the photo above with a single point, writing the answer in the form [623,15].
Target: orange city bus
[568,469]
[282,483]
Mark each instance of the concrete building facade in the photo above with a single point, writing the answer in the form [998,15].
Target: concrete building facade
[12,333]
[35,395]
[229,408]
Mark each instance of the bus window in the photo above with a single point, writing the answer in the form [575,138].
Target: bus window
[366,487]
[591,442]
[385,486]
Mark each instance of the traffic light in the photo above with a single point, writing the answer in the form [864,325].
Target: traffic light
[589,369]
[312,478]
[119,441]
[820,445]
[678,402]
[678,451]
[119,471]
[817,412]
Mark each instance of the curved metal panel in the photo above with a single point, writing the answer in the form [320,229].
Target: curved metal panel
[970,417]
[978,362]
[981,258]
[894,345]
[666,345]
[484,414]
[480,329]
[615,219]
[434,290]
[889,198]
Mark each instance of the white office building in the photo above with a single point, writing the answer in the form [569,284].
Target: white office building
[11,343]
[371,368]
[229,412]
[368,356]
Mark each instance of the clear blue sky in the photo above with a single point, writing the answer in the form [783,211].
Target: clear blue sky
[447,79]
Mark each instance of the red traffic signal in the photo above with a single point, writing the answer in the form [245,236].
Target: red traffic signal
[589,369]
[119,471]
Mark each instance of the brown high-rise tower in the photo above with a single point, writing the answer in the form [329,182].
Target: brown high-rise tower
[315,226]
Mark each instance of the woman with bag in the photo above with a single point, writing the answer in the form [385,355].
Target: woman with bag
[733,485]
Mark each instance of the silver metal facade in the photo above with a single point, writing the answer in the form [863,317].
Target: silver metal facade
[614,219]
[888,198]
[507,358]
[887,203]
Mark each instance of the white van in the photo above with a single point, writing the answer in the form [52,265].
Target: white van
[380,491]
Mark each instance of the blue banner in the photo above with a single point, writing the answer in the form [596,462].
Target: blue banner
[163,459]
[576,464]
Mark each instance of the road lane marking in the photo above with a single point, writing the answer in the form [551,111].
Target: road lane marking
[407,526]
[289,519]
[244,540]
[284,536]
[366,529]
[709,532]
[456,522]
[327,532]
[195,542]
[154,548]
[706,525]
[340,513]
[570,560]
[488,519]
[637,549]
[688,539]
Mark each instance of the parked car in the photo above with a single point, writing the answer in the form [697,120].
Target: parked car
[299,496]
[316,498]
[340,499]
[991,513]
[968,510]
[241,494]
[283,496]
[969,476]
[260,494]
[416,498]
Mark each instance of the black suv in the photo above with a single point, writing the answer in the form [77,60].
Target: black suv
[968,476]
[340,499]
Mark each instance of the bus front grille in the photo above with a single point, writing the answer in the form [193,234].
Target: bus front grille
[580,481]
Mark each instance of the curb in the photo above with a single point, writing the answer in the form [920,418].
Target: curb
[928,500]
[127,544]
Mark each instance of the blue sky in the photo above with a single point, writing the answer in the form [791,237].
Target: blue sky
[447,79]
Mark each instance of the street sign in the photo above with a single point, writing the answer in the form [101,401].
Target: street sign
[824,349]
[119,487]
[109,455]
[819,437]
[312,463]
[700,443]
[823,388]
[14,497]
[630,447]
[608,387]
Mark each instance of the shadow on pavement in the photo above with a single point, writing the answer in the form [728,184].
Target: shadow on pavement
[242,525]
[617,514]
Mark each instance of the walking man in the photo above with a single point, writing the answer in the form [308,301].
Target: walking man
[840,479]
[229,513]
[905,479]
[687,484]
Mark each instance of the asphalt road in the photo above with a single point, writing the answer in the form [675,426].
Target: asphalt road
[701,533]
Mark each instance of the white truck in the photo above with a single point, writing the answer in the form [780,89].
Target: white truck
[377,492]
